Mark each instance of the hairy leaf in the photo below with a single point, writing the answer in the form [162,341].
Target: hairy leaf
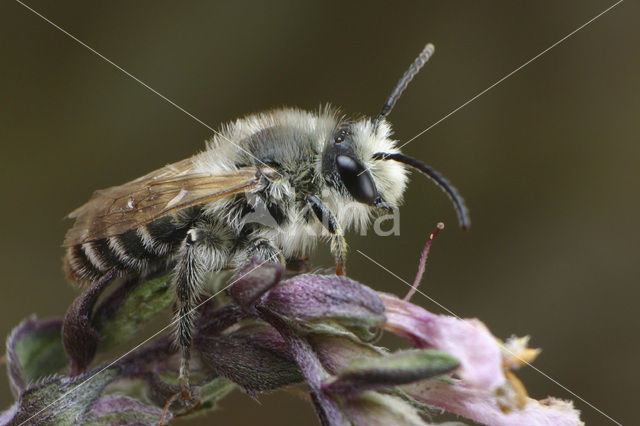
[253,366]
[34,351]
[61,400]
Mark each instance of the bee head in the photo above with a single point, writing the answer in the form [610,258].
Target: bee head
[362,162]
[349,165]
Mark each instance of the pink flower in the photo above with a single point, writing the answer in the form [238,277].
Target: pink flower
[467,340]
[483,389]
[483,406]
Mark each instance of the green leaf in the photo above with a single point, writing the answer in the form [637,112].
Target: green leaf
[144,302]
[35,351]
[425,361]
[373,408]
[396,369]
[63,401]
[338,351]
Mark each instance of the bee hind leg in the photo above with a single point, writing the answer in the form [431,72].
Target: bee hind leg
[203,250]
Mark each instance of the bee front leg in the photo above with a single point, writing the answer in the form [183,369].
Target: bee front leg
[202,250]
[330,223]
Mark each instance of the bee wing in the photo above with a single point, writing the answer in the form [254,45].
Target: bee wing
[118,209]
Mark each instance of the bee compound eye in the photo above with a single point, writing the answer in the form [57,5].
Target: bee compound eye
[357,179]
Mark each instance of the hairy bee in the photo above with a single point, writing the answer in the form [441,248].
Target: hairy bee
[314,174]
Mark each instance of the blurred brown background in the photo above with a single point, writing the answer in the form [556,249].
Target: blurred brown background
[547,160]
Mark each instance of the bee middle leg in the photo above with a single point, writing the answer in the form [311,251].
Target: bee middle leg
[330,223]
[203,250]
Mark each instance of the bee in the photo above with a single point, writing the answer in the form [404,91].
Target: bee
[316,174]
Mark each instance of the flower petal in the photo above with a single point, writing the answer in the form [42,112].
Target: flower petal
[467,340]
[482,405]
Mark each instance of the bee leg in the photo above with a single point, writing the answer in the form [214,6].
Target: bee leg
[202,251]
[330,223]
[264,250]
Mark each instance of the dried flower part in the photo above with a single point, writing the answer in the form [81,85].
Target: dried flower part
[516,352]
[512,396]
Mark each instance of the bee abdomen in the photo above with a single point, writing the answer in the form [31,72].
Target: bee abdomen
[161,237]
[139,250]
[78,267]
[89,261]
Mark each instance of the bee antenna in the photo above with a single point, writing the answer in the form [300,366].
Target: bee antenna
[441,182]
[418,63]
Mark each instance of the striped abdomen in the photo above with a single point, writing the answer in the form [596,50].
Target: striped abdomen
[141,250]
